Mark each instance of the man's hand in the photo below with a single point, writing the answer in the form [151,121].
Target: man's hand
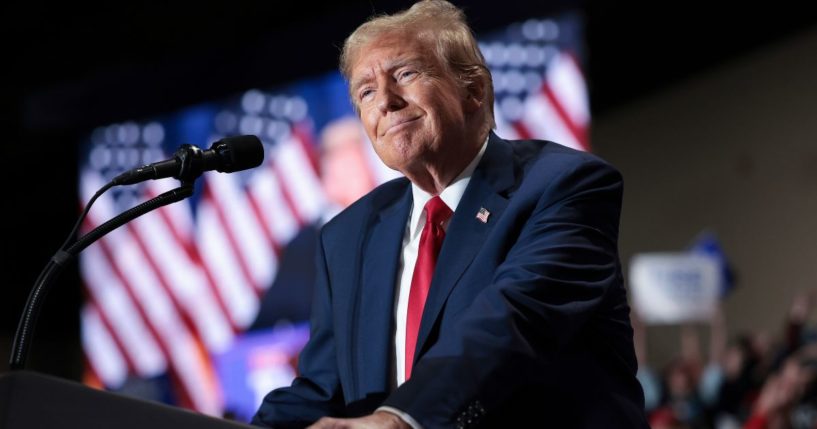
[378,420]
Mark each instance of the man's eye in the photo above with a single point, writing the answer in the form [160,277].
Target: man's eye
[407,74]
[365,93]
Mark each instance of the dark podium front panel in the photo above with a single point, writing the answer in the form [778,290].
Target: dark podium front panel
[32,400]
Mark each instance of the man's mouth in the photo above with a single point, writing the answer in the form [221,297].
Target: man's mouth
[400,124]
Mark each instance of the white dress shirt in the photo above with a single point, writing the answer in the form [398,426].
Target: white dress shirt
[451,196]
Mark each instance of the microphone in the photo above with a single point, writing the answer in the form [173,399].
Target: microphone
[189,162]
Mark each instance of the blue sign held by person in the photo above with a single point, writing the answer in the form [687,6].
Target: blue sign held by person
[707,243]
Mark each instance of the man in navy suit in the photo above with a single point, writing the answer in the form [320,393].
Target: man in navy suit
[484,288]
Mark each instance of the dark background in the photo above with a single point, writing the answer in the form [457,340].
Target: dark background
[67,68]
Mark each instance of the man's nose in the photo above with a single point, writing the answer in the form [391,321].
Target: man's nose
[389,98]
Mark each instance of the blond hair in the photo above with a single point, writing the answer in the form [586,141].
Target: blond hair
[435,21]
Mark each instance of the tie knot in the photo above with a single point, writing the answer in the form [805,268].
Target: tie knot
[436,211]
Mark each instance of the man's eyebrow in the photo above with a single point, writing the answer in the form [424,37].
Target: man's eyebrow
[357,83]
[402,62]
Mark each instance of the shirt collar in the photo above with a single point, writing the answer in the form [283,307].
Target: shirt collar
[451,195]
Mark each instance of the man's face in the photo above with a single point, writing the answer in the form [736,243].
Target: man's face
[412,109]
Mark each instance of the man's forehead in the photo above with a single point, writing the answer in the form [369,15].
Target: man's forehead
[368,64]
[387,53]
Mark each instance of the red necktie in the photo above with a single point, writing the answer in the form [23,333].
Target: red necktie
[431,240]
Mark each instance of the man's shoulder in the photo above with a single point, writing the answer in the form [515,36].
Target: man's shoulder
[380,198]
[543,160]
[531,152]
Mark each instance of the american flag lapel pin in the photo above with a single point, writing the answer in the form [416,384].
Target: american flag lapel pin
[483,214]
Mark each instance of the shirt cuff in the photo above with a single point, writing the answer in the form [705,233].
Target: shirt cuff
[403,416]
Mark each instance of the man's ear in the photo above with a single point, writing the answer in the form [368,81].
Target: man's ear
[474,95]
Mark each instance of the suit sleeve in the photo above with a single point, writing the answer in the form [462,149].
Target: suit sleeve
[550,286]
[316,392]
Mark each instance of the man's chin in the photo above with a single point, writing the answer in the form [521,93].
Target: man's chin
[397,163]
[396,166]
[397,154]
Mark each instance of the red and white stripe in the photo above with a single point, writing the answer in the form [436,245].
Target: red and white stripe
[244,227]
[280,222]
[299,179]
[559,111]
[124,279]
[107,360]
[220,251]
[183,277]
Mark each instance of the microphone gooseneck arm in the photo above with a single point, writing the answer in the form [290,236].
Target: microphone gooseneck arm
[227,155]
[28,320]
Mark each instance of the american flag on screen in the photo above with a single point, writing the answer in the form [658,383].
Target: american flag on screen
[538,81]
[170,292]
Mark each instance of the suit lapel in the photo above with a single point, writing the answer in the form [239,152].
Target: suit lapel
[381,258]
[466,233]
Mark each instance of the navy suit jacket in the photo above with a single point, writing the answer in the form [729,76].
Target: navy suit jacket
[526,322]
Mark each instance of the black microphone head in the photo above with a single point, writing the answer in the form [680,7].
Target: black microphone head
[238,153]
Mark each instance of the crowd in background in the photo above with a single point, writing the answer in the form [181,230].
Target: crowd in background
[756,380]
